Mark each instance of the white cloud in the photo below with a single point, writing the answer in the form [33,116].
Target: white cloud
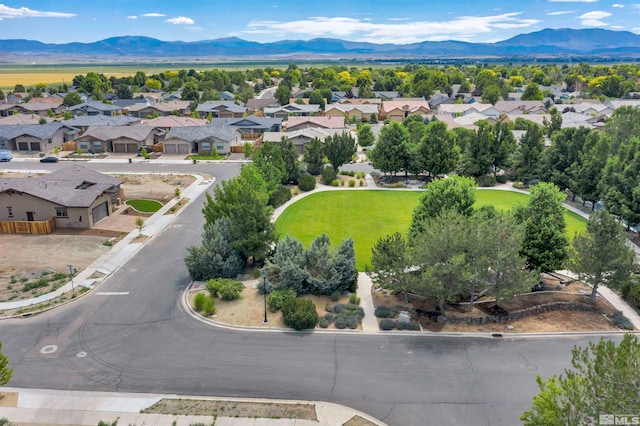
[132,17]
[461,28]
[7,12]
[594,19]
[618,5]
[153,15]
[616,27]
[573,1]
[399,19]
[565,12]
[180,20]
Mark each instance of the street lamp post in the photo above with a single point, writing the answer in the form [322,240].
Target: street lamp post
[71,274]
[264,291]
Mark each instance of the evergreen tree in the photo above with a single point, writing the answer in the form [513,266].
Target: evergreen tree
[528,153]
[339,149]
[439,150]
[314,156]
[216,258]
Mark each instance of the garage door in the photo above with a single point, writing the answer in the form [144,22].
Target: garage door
[125,147]
[35,146]
[23,146]
[100,212]
[170,148]
[183,149]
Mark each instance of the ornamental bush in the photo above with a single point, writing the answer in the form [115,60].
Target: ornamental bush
[277,298]
[306,183]
[225,288]
[299,314]
[281,196]
[387,324]
[198,302]
[328,175]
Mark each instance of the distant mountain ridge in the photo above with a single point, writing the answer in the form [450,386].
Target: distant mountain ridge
[553,42]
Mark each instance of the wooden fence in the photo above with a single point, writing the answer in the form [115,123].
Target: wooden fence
[28,227]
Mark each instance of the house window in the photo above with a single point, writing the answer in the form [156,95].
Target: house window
[9,211]
[83,145]
[206,146]
[219,146]
[97,144]
[61,212]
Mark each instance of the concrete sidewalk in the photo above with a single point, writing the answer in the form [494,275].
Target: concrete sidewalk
[52,407]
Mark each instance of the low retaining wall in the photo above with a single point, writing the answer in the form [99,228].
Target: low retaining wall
[511,316]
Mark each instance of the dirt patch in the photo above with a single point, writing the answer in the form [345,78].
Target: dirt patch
[200,407]
[153,187]
[358,421]
[554,321]
[8,399]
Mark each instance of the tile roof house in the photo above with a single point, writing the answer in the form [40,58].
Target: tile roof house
[617,103]
[25,119]
[356,112]
[250,127]
[301,137]
[362,101]
[35,137]
[42,106]
[221,109]
[457,110]
[83,122]
[520,107]
[398,110]
[94,108]
[162,109]
[295,110]
[227,96]
[473,118]
[201,140]
[297,123]
[75,196]
[122,139]
[260,104]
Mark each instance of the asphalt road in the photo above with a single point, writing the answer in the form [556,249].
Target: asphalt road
[145,342]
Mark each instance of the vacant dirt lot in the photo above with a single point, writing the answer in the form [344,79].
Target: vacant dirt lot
[27,256]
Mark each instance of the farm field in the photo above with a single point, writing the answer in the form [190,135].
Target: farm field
[366,216]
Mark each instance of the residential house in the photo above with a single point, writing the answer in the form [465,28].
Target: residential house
[120,139]
[458,110]
[574,119]
[10,108]
[301,137]
[387,95]
[25,119]
[362,101]
[617,103]
[452,123]
[295,110]
[250,127]
[161,109]
[400,109]
[536,118]
[94,108]
[83,122]
[254,105]
[297,123]
[520,107]
[471,119]
[42,106]
[75,196]
[221,109]
[164,124]
[201,140]
[35,137]
[439,99]
[227,96]
[353,112]
[586,108]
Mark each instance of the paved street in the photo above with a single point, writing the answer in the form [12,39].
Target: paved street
[144,341]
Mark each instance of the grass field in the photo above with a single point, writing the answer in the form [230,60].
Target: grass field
[366,216]
[145,206]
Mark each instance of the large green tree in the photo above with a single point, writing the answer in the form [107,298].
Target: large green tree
[269,162]
[605,380]
[339,149]
[601,255]
[314,156]
[545,244]
[71,99]
[391,153]
[391,262]
[365,135]
[439,149]
[586,173]
[526,160]
[244,200]
[532,93]
[623,125]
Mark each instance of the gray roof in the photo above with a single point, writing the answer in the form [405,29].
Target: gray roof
[304,108]
[197,133]
[63,187]
[101,120]
[215,106]
[40,131]
[310,132]
[261,102]
[252,121]
[100,106]
[106,133]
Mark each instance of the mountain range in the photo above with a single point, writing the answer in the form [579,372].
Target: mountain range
[547,42]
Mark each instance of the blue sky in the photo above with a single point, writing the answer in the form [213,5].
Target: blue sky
[377,21]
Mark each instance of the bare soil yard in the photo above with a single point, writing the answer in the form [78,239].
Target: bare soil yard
[26,257]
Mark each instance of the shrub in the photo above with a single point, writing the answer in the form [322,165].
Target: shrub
[352,183]
[340,323]
[385,312]
[352,321]
[486,180]
[354,299]
[198,302]
[395,185]
[281,196]
[360,175]
[299,313]
[621,321]
[306,183]
[502,178]
[346,309]
[323,323]
[335,296]
[335,182]
[361,183]
[328,175]
[329,317]
[277,298]
[209,307]
[519,185]
[387,324]
[264,287]
[413,326]
[226,288]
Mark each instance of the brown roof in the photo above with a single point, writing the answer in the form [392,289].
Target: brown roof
[175,121]
[318,121]
[107,133]
[50,100]
[163,106]
[410,105]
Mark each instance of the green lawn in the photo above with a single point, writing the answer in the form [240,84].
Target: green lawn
[145,206]
[366,216]
[204,157]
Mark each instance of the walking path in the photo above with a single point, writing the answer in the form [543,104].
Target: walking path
[77,408]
